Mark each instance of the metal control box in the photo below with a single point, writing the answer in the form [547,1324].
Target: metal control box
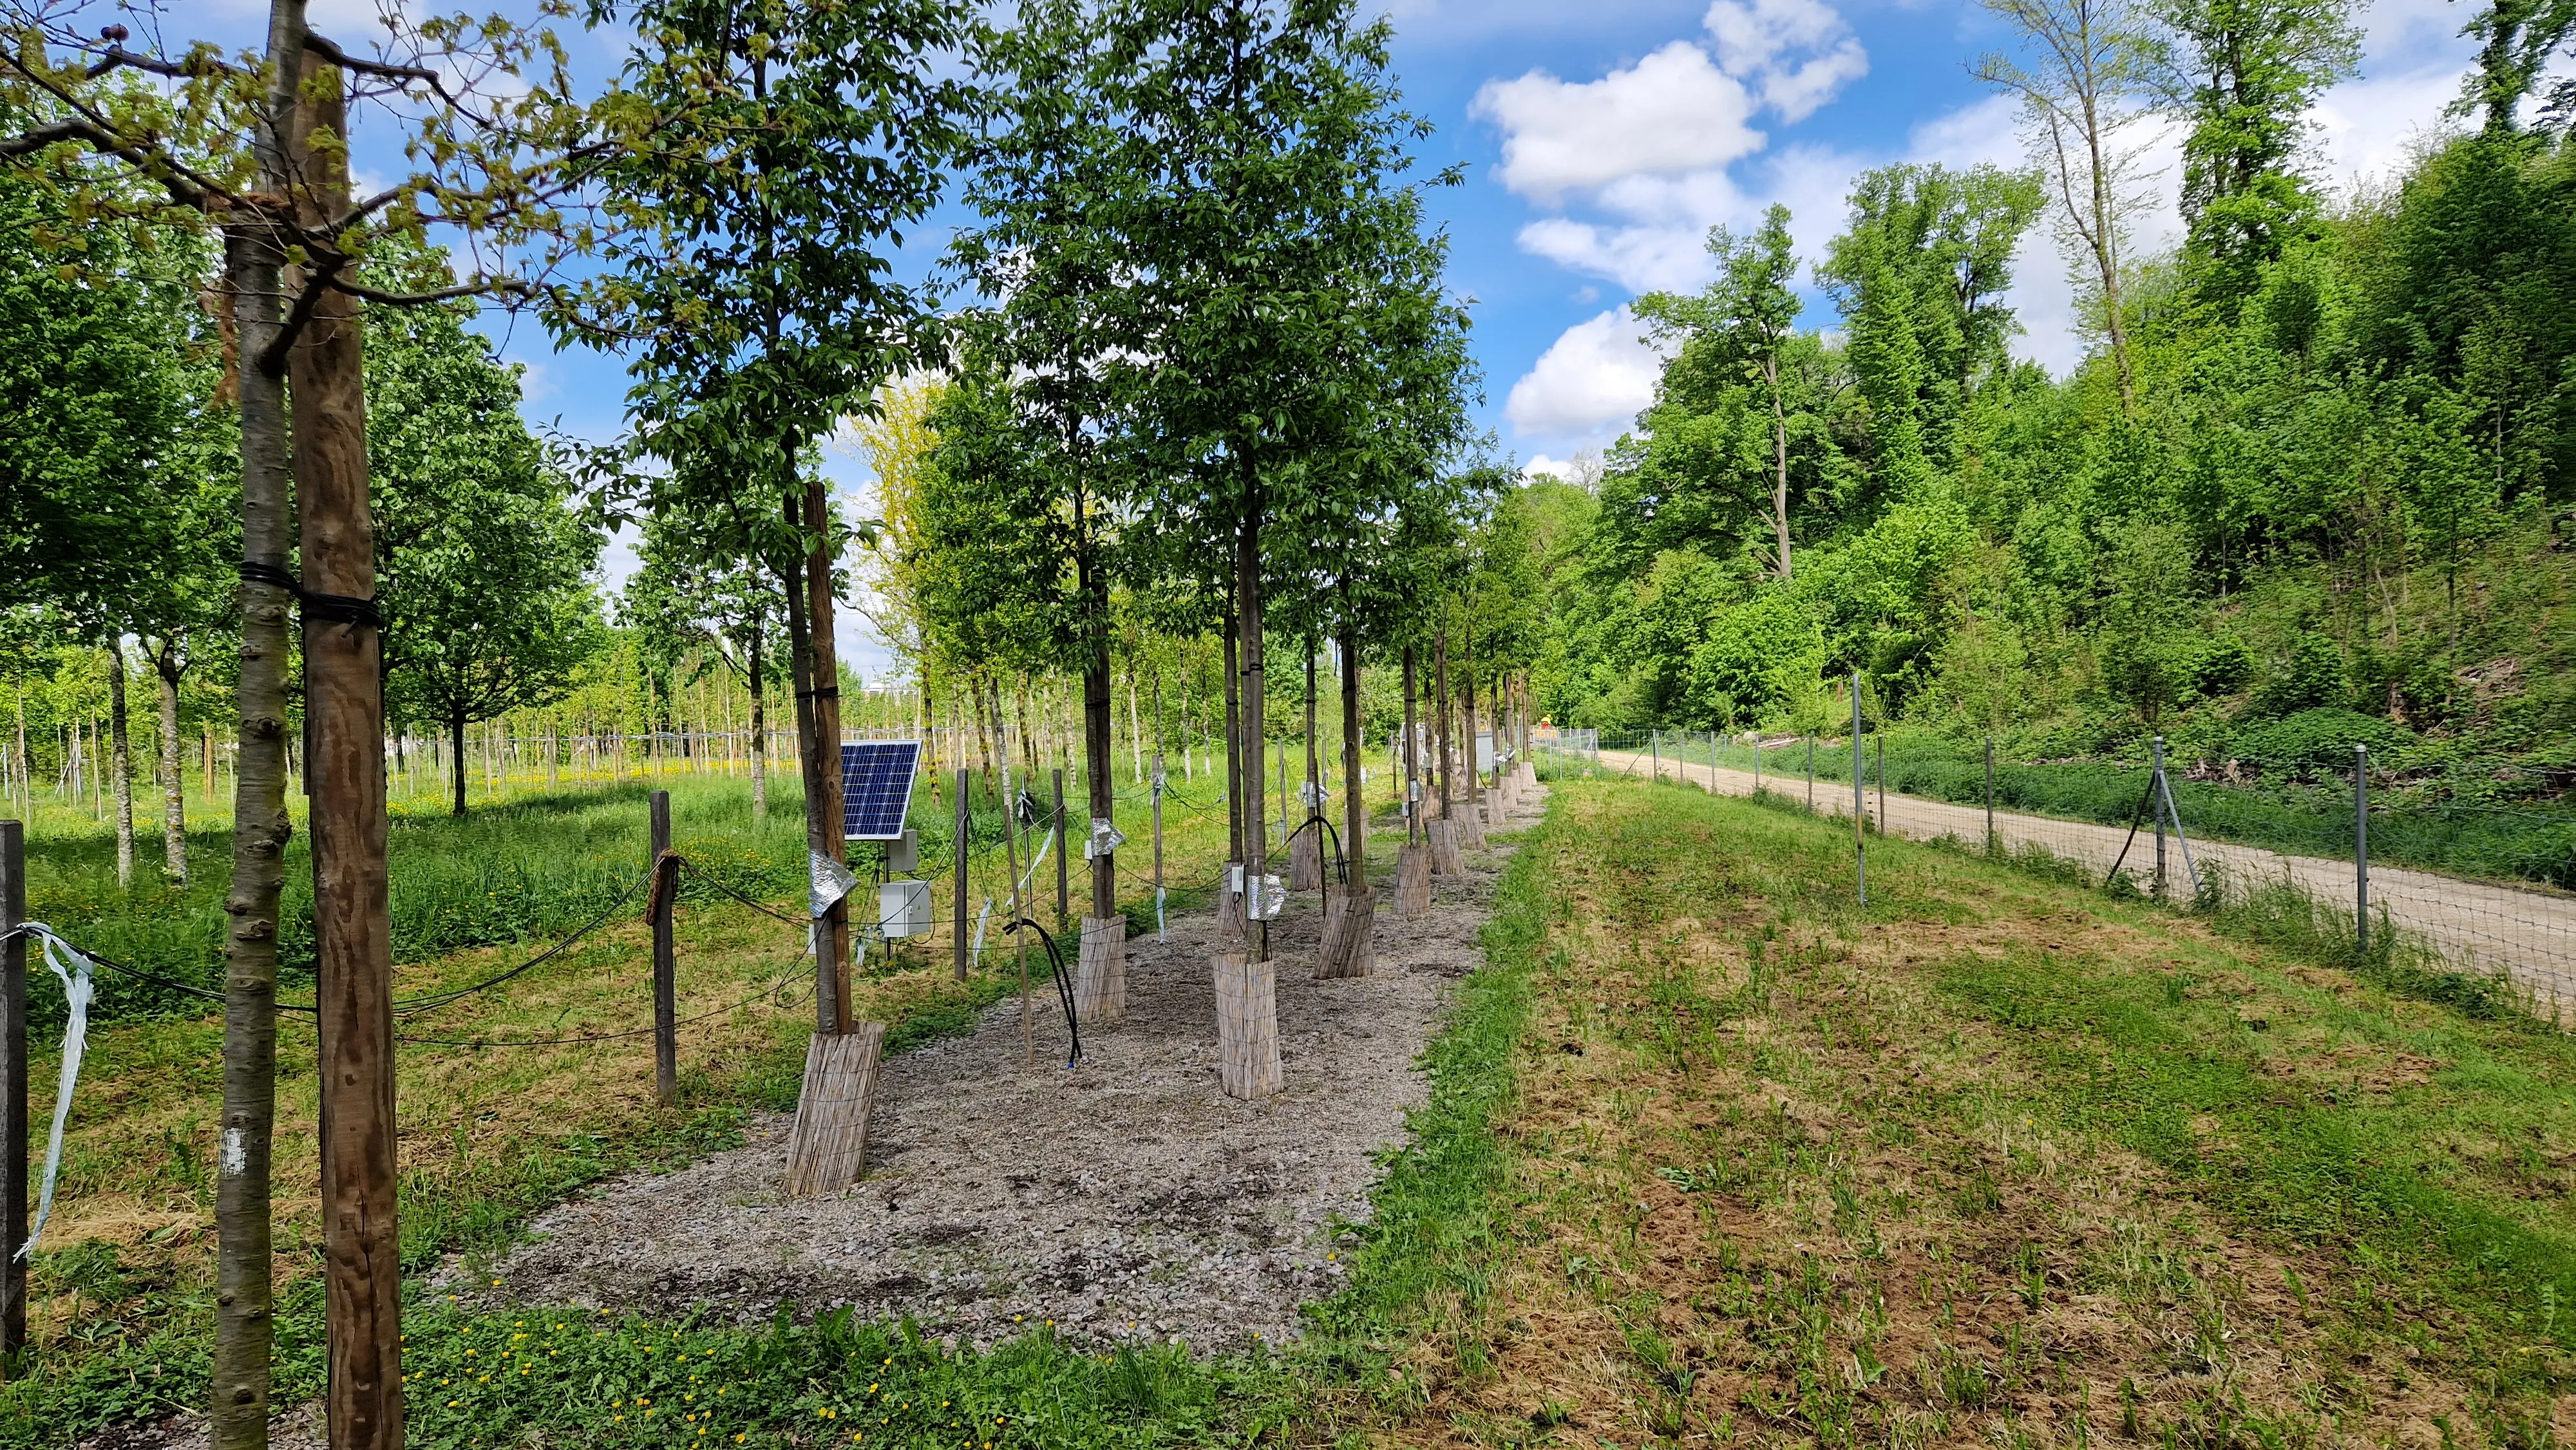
[903,909]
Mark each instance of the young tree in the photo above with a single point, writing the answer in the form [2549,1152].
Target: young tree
[256,148]
[1745,320]
[690,587]
[1272,147]
[2244,75]
[2079,86]
[1051,179]
[778,151]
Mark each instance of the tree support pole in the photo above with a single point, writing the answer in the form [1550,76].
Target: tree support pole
[666,967]
[344,706]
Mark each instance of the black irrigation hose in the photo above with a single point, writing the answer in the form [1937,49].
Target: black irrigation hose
[1063,985]
[2134,820]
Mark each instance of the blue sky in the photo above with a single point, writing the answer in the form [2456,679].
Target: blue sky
[1602,138]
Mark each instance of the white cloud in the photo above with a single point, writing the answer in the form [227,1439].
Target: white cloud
[1670,113]
[2367,128]
[1758,41]
[1589,382]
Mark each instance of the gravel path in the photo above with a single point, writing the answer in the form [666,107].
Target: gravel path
[1124,1199]
[2529,935]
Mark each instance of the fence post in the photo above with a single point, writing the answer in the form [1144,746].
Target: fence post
[666,974]
[1063,900]
[965,823]
[1990,795]
[2361,848]
[1860,802]
[1655,754]
[1811,775]
[2157,785]
[13,1098]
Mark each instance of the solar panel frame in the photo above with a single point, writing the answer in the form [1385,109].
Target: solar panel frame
[876,787]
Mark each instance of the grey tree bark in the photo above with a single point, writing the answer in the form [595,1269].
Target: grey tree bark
[244,1322]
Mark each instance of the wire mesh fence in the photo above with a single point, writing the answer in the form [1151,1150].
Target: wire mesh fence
[2476,887]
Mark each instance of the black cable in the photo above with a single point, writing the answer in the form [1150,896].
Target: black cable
[27,929]
[436,1000]
[769,991]
[1063,985]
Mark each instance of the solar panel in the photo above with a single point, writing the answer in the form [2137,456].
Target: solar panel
[876,787]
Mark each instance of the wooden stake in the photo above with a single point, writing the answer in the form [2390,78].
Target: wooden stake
[965,819]
[344,711]
[666,968]
[13,1098]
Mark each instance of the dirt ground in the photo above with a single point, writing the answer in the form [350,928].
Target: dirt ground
[1124,1198]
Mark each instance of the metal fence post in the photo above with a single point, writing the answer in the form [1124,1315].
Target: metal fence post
[13,1096]
[666,971]
[1860,802]
[1655,754]
[1990,795]
[2156,783]
[2361,848]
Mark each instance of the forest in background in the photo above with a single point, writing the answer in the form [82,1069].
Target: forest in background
[2310,488]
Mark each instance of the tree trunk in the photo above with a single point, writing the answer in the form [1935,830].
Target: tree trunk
[120,757]
[1780,465]
[244,1259]
[1440,706]
[174,781]
[825,742]
[1233,739]
[1412,756]
[759,737]
[1096,711]
[456,764]
[1313,794]
[344,705]
[1247,565]
[1467,707]
[1354,805]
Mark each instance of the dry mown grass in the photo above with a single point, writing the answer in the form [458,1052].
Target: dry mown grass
[1789,1174]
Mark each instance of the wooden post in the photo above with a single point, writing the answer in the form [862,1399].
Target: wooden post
[13,1097]
[666,968]
[1063,891]
[344,774]
[965,819]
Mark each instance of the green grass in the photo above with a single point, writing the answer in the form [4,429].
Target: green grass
[1998,1158]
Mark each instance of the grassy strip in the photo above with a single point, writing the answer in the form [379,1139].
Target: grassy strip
[1993,1159]
[1423,1268]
